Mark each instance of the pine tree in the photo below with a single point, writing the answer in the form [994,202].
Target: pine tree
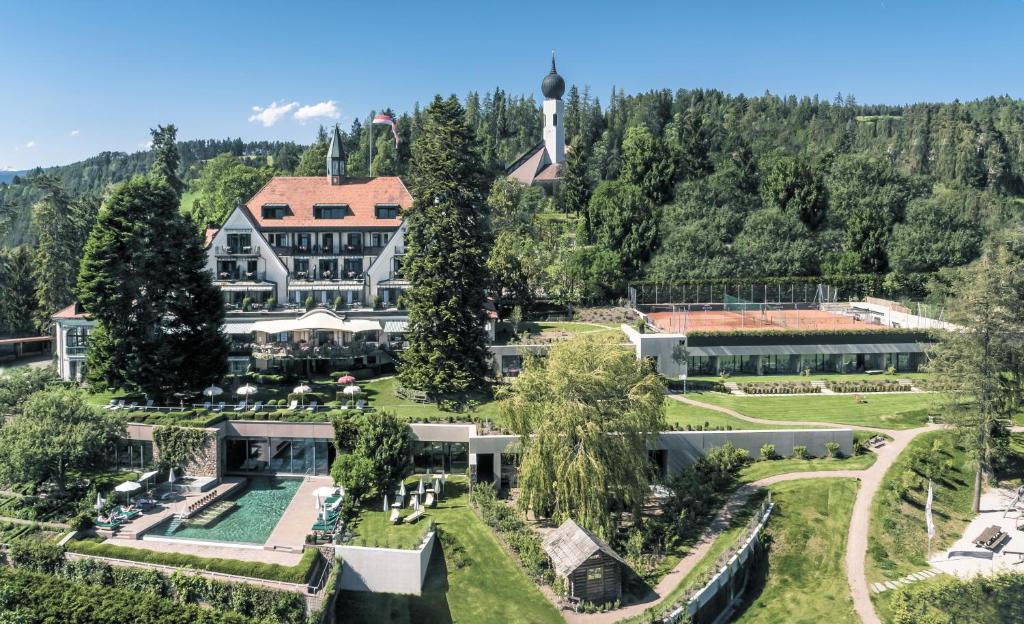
[17,291]
[314,159]
[575,187]
[446,253]
[166,158]
[61,226]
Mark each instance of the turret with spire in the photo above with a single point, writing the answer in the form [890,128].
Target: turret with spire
[553,86]
[336,158]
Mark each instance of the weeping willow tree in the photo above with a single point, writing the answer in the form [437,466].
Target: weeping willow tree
[585,415]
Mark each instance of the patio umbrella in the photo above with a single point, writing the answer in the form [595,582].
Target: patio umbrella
[99,502]
[301,390]
[213,391]
[322,492]
[437,486]
[245,391]
[352,390]
[401,489]
[385,503]
[416,501]
[128,487]
[346,379]
[170,476]
[420,491]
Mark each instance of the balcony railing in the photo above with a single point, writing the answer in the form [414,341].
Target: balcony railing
[307,350]
[328,276]
[237,250]
[240,275]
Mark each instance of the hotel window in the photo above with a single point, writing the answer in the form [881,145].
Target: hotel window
[353,242]
[275,211]
[78,340]
[327,243]
[330,211]
[353,267]
[302,242]
[387,211]
[238,243]
[300,266]
[278,239]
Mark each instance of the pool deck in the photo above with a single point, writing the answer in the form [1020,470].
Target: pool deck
[134,529]
[297,520]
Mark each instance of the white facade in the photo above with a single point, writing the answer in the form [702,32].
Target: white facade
[241,260]
[554,130]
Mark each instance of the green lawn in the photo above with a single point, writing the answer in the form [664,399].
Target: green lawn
[373,526]
[888,411]
[380,393]
[762,469]
[682,414]
[806,576]
[491,588]
[897,540]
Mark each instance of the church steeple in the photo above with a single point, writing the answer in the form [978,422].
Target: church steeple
[336,158]
[553,86]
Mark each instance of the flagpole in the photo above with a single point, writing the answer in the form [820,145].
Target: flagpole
[369,165]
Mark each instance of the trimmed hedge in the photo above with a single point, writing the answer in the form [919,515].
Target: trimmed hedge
[185,418]
[780,387]
[868,386]
[298,573]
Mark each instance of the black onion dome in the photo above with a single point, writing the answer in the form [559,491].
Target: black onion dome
[553,86]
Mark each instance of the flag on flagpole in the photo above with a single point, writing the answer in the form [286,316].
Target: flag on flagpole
[928,512]
[387,120]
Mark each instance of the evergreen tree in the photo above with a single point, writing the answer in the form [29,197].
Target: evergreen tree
[17,291]
[575,186]
[620,218]
[143,280]
[649,163]
[61,226]
[446,253]
[165,157]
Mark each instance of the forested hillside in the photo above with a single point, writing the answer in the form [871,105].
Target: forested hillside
[666,186]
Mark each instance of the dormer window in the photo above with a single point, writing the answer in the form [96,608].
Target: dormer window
[275,211]
[387,211]
[330,211]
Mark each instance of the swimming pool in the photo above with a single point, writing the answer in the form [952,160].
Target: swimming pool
[249,519]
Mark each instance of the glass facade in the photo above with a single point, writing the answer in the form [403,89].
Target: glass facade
[699,365]
[132,454]
[738,364]
[278,455]
[440,456]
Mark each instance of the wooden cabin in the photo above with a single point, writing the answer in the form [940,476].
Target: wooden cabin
[592,570]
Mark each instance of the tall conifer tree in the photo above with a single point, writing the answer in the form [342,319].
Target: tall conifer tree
[446,254]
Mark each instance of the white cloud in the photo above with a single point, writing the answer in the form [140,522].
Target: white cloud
[30,145]
[272,114]
[74,133]
[328,109]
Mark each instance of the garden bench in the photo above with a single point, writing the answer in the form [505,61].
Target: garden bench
[990,538]
[414,516]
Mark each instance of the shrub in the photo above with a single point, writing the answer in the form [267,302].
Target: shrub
[36,555]
[832,448]
[271,303]
[767,451]
[310,303]
[800,452]
[245,303]
[454,552]
[339,303]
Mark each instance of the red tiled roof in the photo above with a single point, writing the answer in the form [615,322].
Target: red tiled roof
[208,237]
[301,193]
[70,312]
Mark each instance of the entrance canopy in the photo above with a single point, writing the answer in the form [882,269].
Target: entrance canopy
[316,320]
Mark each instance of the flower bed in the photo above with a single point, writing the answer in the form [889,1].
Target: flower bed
[780,387]
[885,385]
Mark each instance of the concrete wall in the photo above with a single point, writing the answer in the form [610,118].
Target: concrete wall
[429,432]
[684,447]
[658,347]
[385,570]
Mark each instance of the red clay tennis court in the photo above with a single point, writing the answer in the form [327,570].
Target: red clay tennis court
[683,321]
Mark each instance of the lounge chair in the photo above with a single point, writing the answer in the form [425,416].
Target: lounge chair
[107,524]
[132,405]
[312,406]
[256,406]
[206,406]
[111,405]
[119,405]
[293,405]
[414,516]
[219,408]
[239,407]
[429,501]
[361,404]
[149,405]
[395,516]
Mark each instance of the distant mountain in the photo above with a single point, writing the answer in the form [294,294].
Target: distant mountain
[7,176]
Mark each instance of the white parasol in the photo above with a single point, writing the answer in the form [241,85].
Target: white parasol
[301,390]
[99,502]
[385,503]
[213,391]
[351,390]
[420,489]
[401,489]
[170,476]
[246,391]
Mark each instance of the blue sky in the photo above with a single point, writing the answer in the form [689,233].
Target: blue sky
[82,77]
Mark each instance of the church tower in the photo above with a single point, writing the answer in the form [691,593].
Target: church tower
[554,123]
[336,158]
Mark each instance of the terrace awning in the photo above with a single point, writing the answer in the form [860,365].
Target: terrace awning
[826,349]
[238,327]
[332,286]
[246,287]
[394,283]
[317,319]
[396,327]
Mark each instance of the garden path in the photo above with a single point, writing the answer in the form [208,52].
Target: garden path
[857,536]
